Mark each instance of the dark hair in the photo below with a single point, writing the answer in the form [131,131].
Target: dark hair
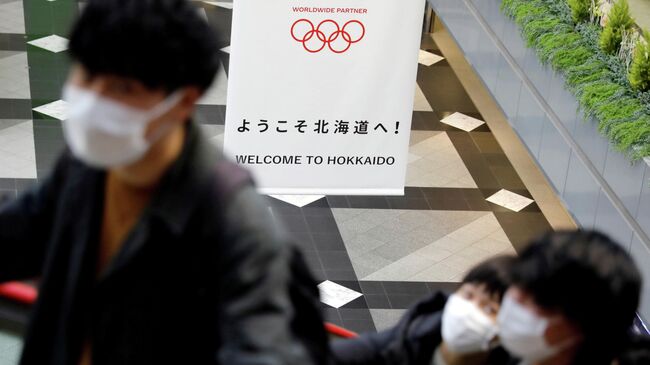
[588,278]
[636,351]
[165,44]
[494,274]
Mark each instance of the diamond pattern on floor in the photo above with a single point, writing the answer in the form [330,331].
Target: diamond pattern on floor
[427,58]
[298,200]
[434,162]
[463,122]
[449,258]
[376,238]
[57,109]
[52,43]
[510,200]
[420,102]
[336,295]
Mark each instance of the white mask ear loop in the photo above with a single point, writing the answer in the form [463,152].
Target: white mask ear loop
[165,106]
[567,342]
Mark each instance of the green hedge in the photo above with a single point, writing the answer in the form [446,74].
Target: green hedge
[640,68]
[598,80]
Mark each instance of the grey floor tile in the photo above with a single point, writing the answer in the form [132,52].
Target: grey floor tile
[15,108]
[379,301]
[12,42]
[372,287]
[321,224]
[386,318]
[359,326]
[450,97]
[403,301]
[10,348]
[335,260]
[328,241]
[435,162]
[406,288]
[340,274]
[354,314]
[14,76]
[376,238]
[12,18]
[8,123]
[332,315]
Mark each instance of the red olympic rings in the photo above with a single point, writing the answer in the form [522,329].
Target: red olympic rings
[327,40]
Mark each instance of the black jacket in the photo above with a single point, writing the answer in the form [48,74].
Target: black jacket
[411,342]
[203,278]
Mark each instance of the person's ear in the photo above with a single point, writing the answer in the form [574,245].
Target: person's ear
[191,97]
[560,330]
[186,105]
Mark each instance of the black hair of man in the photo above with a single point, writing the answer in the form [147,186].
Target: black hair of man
[165,44]
[591,280]
[494,274]
[636,351]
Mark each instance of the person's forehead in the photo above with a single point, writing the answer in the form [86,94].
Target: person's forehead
[480,289]
[107,76]
[134,83]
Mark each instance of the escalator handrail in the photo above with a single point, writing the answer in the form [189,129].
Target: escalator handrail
[18,292]
[27,294]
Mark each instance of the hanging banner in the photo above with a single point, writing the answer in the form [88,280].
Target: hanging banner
[320,93]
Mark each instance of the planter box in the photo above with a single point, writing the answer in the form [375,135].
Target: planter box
[599,186]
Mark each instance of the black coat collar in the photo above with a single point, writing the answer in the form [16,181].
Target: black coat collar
[172,204]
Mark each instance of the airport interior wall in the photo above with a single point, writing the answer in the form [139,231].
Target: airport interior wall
[599,186]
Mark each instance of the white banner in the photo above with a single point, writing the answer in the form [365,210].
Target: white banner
[320,93]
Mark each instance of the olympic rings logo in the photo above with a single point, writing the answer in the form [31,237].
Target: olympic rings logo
[327,33]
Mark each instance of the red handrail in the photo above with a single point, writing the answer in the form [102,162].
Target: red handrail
[338,331]
[19,292]
[27,294]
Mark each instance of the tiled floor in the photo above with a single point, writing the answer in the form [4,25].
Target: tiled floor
[17,152]
[14,75]
[392,251]
[11,17]
[10,347]
[434,162]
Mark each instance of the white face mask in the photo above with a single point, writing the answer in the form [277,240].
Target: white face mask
[521,332]
[104,133]
[465,328]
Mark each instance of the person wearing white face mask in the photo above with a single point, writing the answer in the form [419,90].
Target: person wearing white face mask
[440,330]
[572,302]
[151,247]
